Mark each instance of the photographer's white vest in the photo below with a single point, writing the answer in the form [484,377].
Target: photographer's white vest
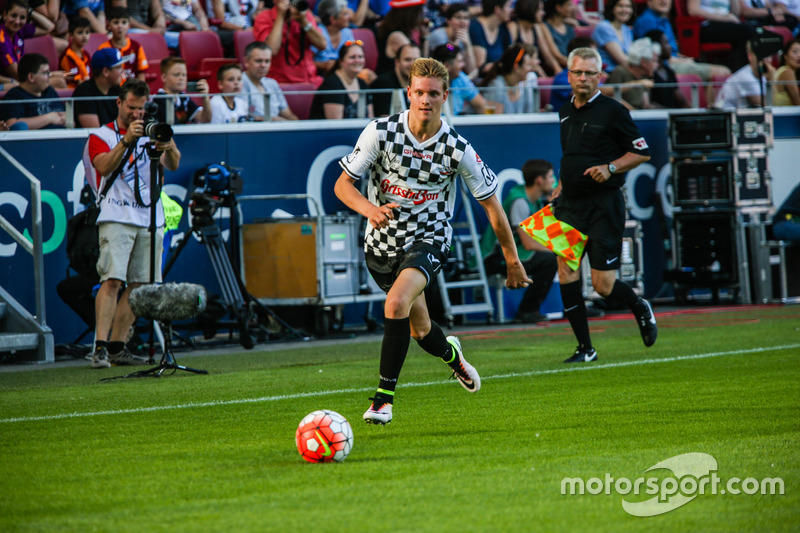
[120,203]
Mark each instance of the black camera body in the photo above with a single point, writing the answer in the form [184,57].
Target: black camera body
[300,5]
[157,131]
[216,185]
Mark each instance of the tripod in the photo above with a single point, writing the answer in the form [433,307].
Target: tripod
[238,302]
[168,361]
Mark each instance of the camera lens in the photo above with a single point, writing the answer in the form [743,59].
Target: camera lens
[158,131]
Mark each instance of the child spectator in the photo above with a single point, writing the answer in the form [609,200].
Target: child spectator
[228,107]
[255,83]
[34,87]
[20,22]
[174,78]
[119,21]
[92,10]
[75,59]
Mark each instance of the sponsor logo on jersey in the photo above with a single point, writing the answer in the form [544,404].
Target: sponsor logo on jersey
[418,197]
[478,158]
[640,144]
[417,154]
[447,172]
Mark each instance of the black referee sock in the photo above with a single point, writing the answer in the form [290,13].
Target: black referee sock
[623,292]
[435,343]
[396,338]
[575,310]
[100,344]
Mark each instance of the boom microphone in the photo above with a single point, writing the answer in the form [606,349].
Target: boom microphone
[168,302]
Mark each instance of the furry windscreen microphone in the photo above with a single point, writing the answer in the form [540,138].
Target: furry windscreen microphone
[168,302]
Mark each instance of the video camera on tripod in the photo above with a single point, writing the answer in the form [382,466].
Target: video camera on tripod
[215,185]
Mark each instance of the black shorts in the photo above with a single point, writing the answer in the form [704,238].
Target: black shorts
[602,218]
[422,256]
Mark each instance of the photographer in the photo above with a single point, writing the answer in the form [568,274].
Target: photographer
[125,217]
[290,30]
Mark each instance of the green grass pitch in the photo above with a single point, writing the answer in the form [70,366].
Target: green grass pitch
[217,453]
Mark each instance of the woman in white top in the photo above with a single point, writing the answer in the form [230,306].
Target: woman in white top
[229,107]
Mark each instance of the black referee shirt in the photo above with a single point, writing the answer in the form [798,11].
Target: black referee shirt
[595,134]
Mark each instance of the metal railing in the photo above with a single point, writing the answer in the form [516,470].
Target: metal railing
[34,246]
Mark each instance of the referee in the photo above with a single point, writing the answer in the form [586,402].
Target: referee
[411,161]
[599,143]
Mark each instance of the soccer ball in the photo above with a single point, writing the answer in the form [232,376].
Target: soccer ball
[324,436]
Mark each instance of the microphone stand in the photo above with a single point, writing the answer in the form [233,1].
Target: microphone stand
[167,359]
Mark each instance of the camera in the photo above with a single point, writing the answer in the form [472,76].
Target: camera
[157,131]
[300,5]
[216,185]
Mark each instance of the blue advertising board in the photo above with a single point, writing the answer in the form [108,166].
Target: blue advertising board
[299,157]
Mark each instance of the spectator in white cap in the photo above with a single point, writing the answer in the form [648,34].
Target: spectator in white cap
[106,67]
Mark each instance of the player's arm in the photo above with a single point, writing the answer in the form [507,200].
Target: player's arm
[378,215]
[516,276]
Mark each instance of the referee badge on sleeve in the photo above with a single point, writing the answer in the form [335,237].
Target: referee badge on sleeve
[640,144]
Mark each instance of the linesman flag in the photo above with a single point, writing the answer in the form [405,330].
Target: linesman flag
[558,236]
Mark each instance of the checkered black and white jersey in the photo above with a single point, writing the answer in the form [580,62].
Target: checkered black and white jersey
[420,177]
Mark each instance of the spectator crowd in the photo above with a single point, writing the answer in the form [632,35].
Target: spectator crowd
[219,61]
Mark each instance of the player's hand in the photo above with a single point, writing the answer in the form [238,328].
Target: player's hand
[556,192]
[516,278]
[598,173]
[382,214]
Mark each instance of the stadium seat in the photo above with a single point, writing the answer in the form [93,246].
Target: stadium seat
[194,46]
[300,101]
[783,31]
[685,84]
[155,48]
[241,39]
[545,87]
[95,40]
[44,45]
[687,31]
[584,31]
[370,46]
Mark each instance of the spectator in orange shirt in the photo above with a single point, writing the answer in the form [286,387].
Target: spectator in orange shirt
[290,33]
[20,22]
[75,59]
[119,21]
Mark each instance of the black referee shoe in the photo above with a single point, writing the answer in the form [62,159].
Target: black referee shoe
[647,322]
[582,355]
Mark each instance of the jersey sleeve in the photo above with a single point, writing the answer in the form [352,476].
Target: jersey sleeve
[97,146]
[365,153]
[141,60]
[630,138]
[480,179]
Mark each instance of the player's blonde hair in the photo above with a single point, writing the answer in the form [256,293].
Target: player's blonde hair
[425,67]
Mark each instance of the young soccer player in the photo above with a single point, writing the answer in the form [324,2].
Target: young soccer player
[75,60]
[119,22]
[229,107]
[173,77]
[411,161]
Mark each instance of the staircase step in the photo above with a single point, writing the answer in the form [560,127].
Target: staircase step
[11,342]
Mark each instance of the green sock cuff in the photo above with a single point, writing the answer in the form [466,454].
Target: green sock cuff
[453,351]
[386,392]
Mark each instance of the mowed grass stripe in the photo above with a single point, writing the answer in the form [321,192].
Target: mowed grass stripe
[577,368]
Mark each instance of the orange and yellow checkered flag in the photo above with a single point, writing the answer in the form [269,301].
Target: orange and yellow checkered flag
[557,236]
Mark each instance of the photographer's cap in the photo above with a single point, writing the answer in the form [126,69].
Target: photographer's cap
[108,58]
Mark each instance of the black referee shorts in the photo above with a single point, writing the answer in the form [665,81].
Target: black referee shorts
[422,256]
[601,217]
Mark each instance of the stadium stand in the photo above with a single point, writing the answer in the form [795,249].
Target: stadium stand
[96,39]
[299,97]
[685,83]
[195,46]
[44,45]
[687,31]
[241,39]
